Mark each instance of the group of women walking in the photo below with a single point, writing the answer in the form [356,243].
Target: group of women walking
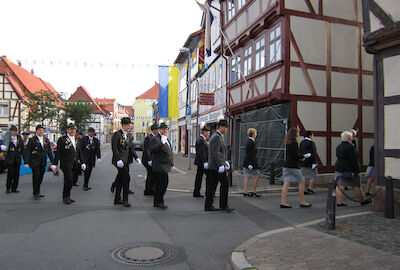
[300,164]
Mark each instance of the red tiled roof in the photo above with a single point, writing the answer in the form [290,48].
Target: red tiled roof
[129,110]
[82,94]
[109,107]
[15,86]
[152,93]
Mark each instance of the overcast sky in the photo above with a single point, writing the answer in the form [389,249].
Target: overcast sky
[125,32]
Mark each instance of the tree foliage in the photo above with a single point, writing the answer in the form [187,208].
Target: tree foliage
[80,114]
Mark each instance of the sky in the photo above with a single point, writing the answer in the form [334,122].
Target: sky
[47,34]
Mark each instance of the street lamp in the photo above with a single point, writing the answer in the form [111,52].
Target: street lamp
[188,108]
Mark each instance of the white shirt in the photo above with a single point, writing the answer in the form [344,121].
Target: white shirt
[91,140]
[124,133]
[251,138]
[308,139]
[14,140]
[201,135]
[72,140]
[40,140]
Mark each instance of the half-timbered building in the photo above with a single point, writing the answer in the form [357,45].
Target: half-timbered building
[297,63]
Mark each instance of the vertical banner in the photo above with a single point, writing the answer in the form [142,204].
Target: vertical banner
[173,92]
[163,78]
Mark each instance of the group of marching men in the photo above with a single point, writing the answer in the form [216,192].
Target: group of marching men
[75,156]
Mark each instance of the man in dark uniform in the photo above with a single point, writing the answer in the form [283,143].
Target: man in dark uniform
[89,149]
[218,166]
[36,153]
[123,154]
[67,154]
[147,162]
[162,163]
[25,138]
[13,159]
[78,137]
[201,159]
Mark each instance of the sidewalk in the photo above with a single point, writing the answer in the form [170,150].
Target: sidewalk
[362,241]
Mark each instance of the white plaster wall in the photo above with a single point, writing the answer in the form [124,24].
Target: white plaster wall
[230,31]
[392,166]
[260,82]
[235,93]
[344,45]
[374,22]
[298,83]
[368,87]
[344,116]
[392,126]
[241,22]
[390,6]
[368,118]
[310,36]
[334,142]
[254,10]
[299,5]
[272,79]
[344,85]
[7,87]
[391,68]
[312,115]
[367,60]
[320,143]
[343,9]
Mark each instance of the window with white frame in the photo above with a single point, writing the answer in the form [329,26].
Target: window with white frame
[235,69]
[275,44]
[247,61]
[241,3]
[231,9]
[212,79]
[260,53]
[4,110]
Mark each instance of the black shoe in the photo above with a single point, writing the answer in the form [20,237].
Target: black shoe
[76,184]
[341,204]
[305,205]
[8,191]
[148,193]
[117,202]
[41,195]
[212,208]
[66,201]
[227,209]
[161,205]
[198,195]
[130,192]
[310,191]
[306,193]
[126,204]
[86,188]
[36,197]
[15,191]
[71,200]
[366,201]
[112,188]
[285,206]
[246,195]
[346,188]
[369,194]
[254,194]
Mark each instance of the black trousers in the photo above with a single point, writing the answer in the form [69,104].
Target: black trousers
[70,173]
[160,186]
[37,178]
[199,178]
[76,174]
[149,188]
[122,183]
[87,173]
[12,176]
[211,186]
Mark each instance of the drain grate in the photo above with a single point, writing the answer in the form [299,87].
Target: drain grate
[144,254]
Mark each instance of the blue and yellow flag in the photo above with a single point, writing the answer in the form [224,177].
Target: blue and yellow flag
[168,91]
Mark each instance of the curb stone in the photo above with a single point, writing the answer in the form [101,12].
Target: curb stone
[238,258]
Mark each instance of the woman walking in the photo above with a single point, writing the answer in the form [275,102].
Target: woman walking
[291,170]
[346,167]
[250,165]
[308,166]
[370,170]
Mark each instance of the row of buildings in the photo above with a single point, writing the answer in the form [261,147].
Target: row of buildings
[16,83]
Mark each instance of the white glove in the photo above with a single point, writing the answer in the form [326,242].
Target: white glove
[205,165]
[150,163]
[307,155]
[83,167]
[221,169]
[164,139]
[138,161]
[99,160]
[313,166]
[250,167]
[26,165]
[4,148]
[120,164]
[227,166]
[172,168]
[53,167]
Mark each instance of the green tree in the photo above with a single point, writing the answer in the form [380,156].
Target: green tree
[79,113]
[41,106]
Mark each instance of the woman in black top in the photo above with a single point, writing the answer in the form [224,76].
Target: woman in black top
[308,166]
[250,164]
[346,167]
[291,170]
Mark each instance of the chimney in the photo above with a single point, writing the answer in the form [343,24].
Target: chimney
[32,71]
[19,63]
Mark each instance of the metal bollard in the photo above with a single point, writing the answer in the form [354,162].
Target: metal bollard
[389,201]
[330,220]
[272,173]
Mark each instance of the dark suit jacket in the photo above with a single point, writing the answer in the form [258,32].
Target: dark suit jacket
[217,154]
[146,156]
[122,148]
[88,152]
[66,153]
[201,151]
[161,155]
[307,146]
[35,155]
[346,158]
[250,156]
[14,152]
[292,156]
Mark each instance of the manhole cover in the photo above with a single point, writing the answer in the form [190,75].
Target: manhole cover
[142,254]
